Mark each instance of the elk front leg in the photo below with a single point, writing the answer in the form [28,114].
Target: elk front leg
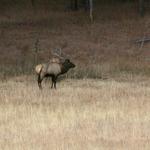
[55,79]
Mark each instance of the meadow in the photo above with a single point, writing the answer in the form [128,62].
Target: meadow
[102,104]
[81,114]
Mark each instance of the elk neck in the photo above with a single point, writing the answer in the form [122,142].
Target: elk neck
[64,68]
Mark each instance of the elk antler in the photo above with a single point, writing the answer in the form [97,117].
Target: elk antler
[57,52]
[60,54]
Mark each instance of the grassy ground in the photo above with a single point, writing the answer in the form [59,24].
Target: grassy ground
[106,103]
[81,114]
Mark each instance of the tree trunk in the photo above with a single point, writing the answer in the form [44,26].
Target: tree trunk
[75,4]
[141,7]
[33,3]
[91,10]
[87,4]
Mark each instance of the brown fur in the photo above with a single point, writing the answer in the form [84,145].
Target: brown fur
[53,69]
[55,60]
[52,60]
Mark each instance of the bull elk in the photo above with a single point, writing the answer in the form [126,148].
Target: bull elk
[54,68]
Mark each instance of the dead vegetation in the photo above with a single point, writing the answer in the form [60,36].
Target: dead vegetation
[106,103]
[81,114]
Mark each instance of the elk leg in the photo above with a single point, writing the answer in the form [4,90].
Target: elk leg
[40,81]
[53,78]
[55,82]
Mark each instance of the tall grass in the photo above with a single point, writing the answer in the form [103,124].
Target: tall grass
[80,114]
[94,71]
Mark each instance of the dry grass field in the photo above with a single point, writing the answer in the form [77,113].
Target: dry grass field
[88,114]
[103,104]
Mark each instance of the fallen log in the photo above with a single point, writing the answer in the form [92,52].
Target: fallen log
[142,40]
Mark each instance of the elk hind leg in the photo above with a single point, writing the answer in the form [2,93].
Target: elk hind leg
[40,81]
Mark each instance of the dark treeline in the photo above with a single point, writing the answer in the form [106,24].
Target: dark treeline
[66,4]
[73,5]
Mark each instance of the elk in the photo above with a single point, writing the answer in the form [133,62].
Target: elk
[54,68]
